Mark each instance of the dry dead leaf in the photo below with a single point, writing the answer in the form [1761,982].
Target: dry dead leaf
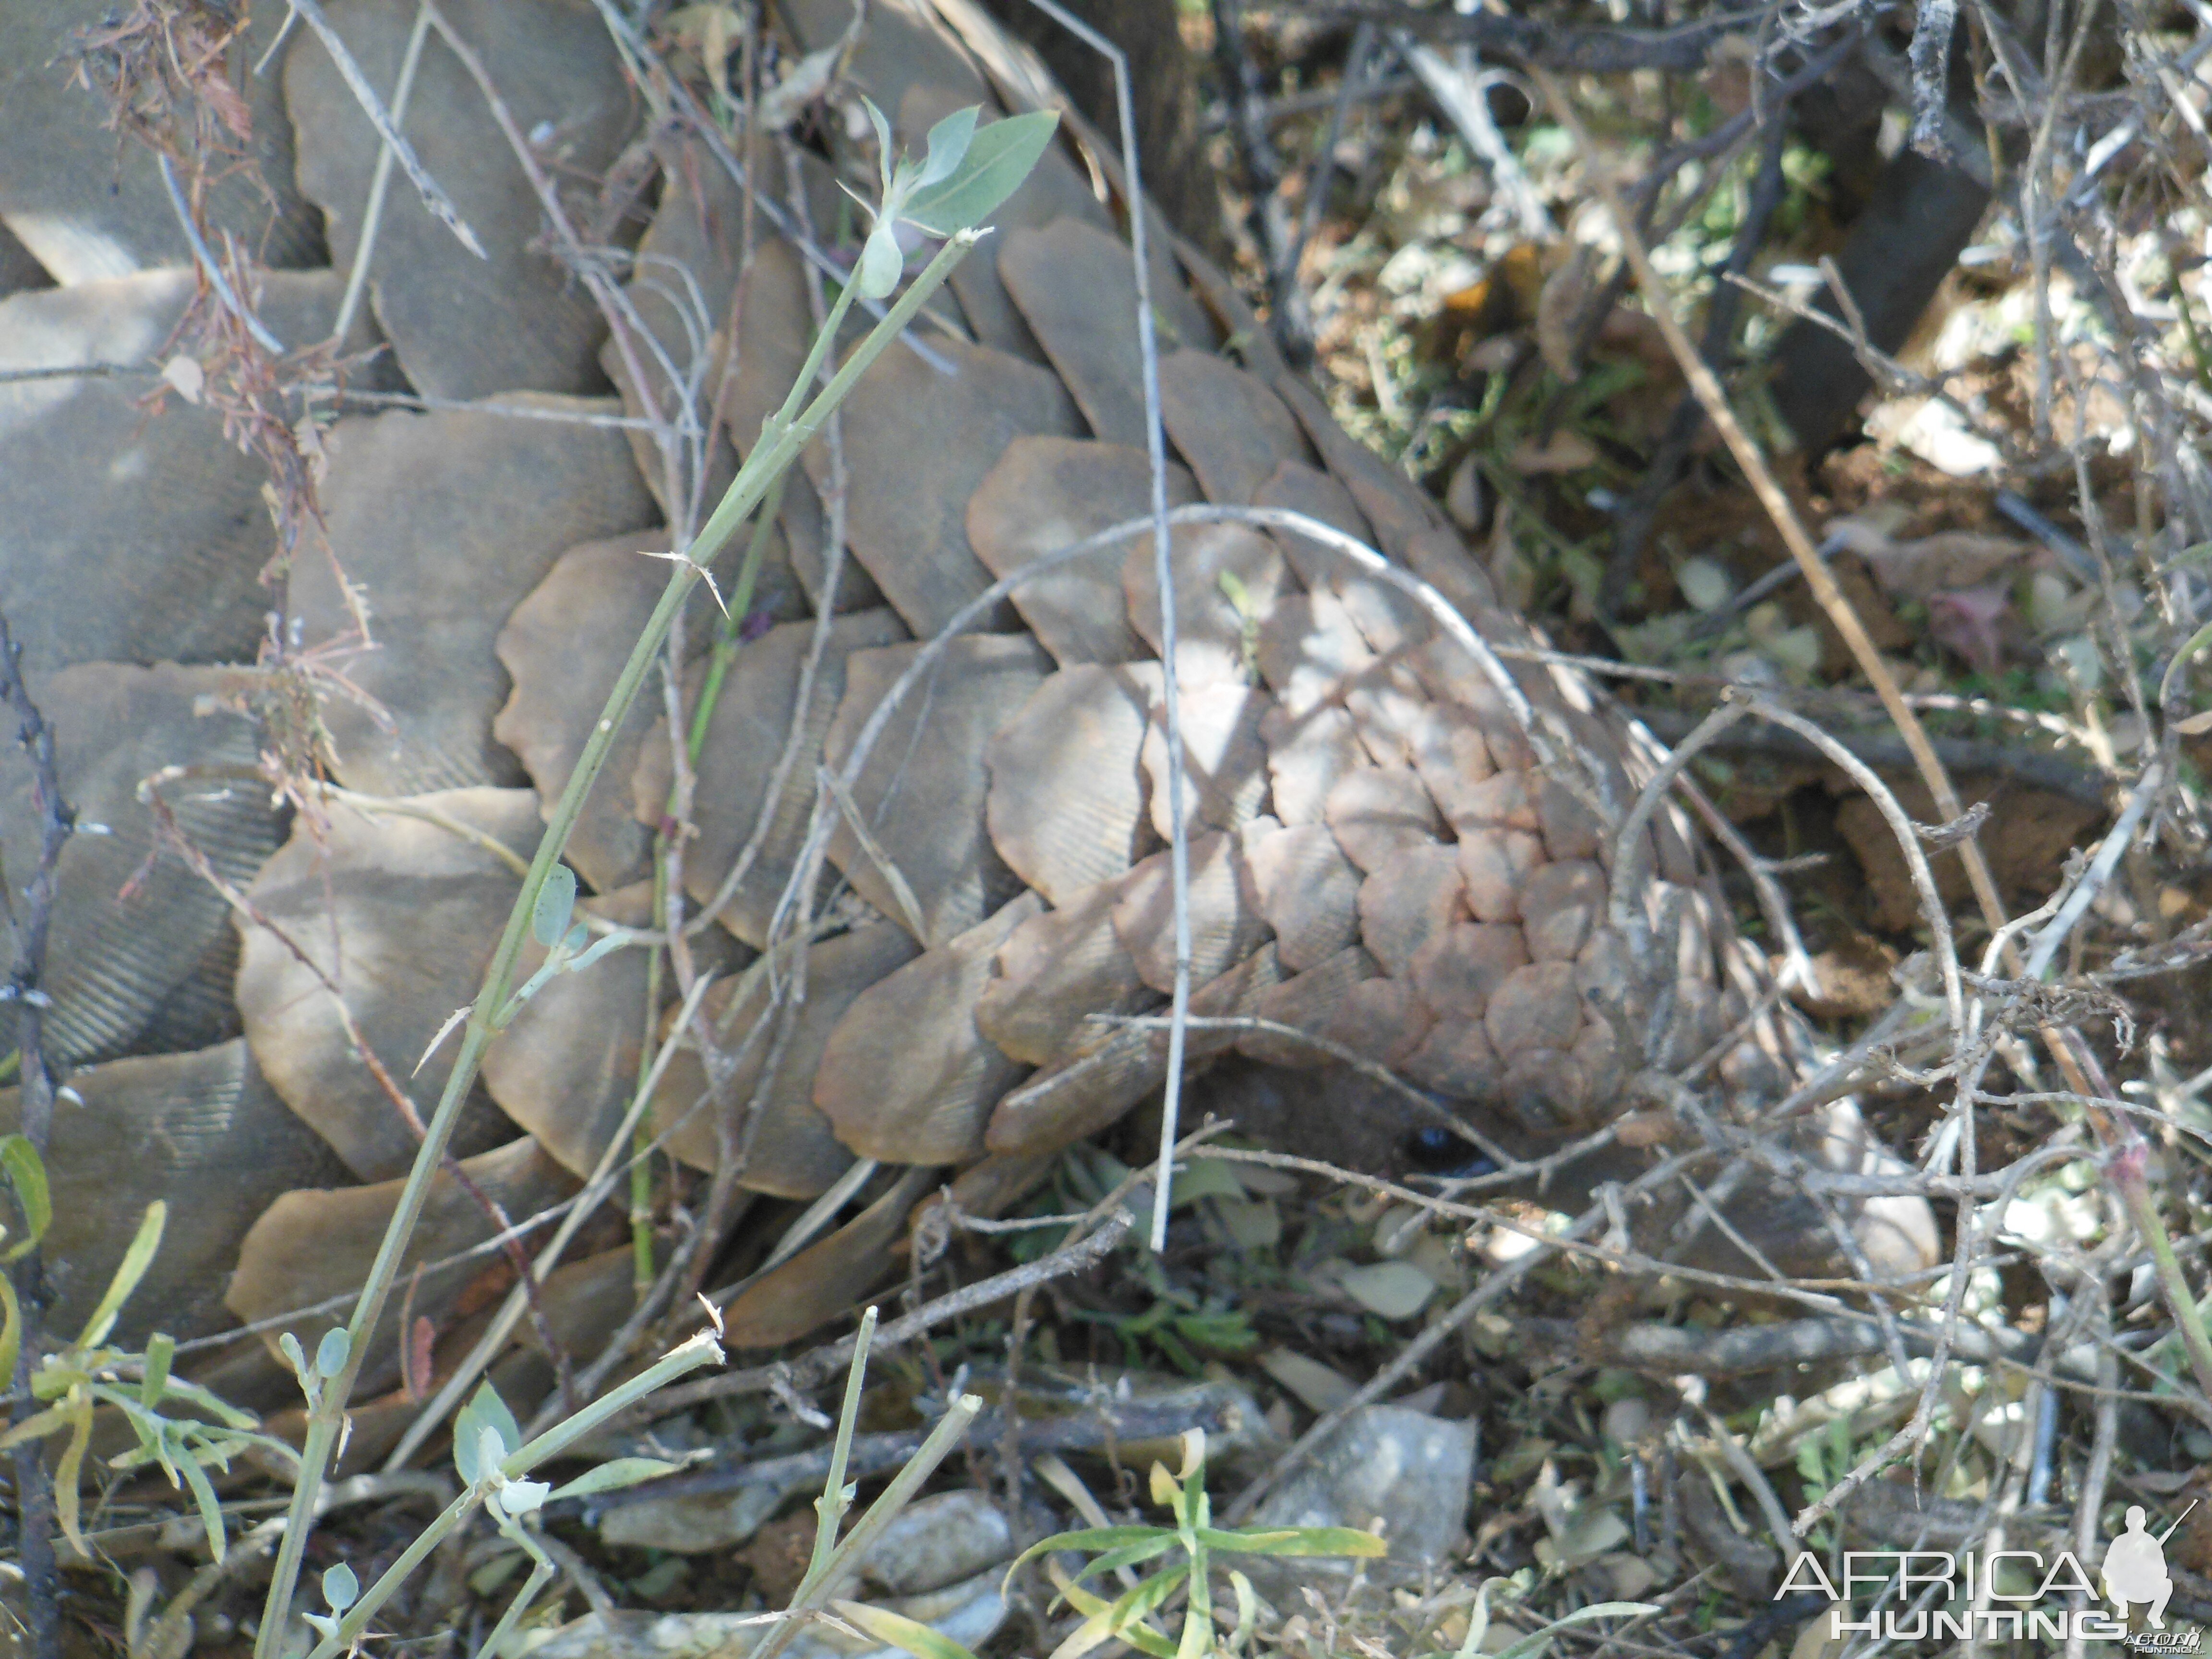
[1563,451]
[1559,307]
[1319,1387]
[187,376]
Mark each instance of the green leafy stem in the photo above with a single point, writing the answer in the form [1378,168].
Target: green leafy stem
[494,1478]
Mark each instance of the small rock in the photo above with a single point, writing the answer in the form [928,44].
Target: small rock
[1409,1473]
[693,1523]
[938,1541]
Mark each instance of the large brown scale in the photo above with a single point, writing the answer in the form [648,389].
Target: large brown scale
[1379,852]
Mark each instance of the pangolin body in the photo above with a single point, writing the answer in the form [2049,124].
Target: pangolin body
[1409,852]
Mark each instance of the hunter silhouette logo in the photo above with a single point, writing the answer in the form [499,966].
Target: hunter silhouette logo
[2135,1569]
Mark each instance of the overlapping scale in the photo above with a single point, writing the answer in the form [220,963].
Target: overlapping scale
[1228,579]
[130,539]
[466,323]
[89,208]
[1067,808]
[1230,428]
[907,1077]
[492,503]
[203,1133]
[1048,494]
[303,1257]
[791,1150]
[1224,762]
[381,925]
[920,791]
[1077,291]
[563,647]
[1055,972]
[918,440]
[567,1065]
[735,809]
[139,951]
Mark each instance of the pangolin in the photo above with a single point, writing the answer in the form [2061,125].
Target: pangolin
[1411,849]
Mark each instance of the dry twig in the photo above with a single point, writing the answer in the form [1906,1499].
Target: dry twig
[35,1497]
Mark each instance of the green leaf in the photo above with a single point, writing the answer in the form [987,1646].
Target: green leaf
[1094,1538]
[999,158]
[341,1590]
[331,1352]
[496,1413]
[1123,1618]
[881,263]
[136,1458]
[203,1497]
[152,1429]
[622,1472]
[1534,1642]
[161,1349]
[1200,1611]
[1811,1466]
[136,1260]
[56,1376]
[549,918]
[78,1414]
[903,1633]
[1129,1556]
[1092,1631]
[1197,1632]
[177,1388]
[485,1410]
[886,151]
[1198,1614]
[37,1426]
[26,1173]
[1247,1612]
[220,1452]
[1296,1541]
[948,146]
[11,1332]
[1145,1599]
[215,1452]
